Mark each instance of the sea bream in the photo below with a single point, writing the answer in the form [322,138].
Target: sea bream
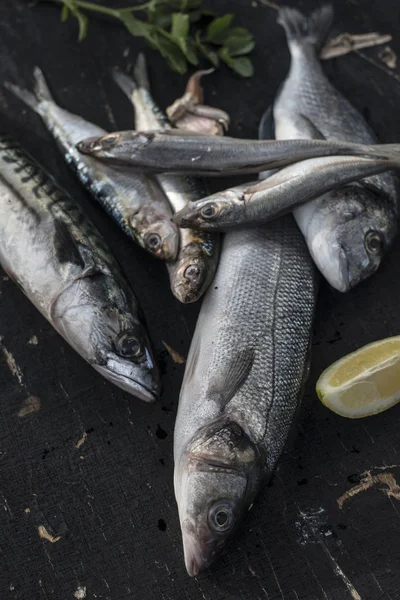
[193,270]
[60,261]
[134,200]
[340,225]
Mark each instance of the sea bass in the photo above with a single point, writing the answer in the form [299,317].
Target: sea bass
[134,200]
[339,225]
[60,261]
[243,382]
[194,268]
[277,195]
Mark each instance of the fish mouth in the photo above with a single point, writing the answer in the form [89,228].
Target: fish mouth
[199,555]
[332,262]
[183,218]
[148,392]
[90,146]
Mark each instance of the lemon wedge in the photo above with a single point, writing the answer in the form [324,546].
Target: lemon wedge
[363,383]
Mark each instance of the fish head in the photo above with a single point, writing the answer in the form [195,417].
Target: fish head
[115,146]
[212,213]
[127,361]
[191,273]
[159,236]
[99,320]
[215,484]
[348,234]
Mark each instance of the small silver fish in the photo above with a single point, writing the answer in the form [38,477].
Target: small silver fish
[194,268]
[347,230]
[277,195]
[60,261]
[178,152]
[134,200]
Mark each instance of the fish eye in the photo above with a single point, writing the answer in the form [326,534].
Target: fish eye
[109,139]
[221,518]
[153,241]
[209,211]
[192,273]
[128,346]
[373,242]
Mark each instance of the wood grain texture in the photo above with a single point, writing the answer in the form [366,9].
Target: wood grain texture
[92,467]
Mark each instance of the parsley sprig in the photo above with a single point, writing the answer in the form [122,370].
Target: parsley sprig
[174,28]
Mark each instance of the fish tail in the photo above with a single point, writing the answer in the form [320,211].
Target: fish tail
[41,89]
[126,83]
[40,92]
[391,152]
[301,29]
[140,72]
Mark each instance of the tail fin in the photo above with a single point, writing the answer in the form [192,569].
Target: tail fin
[311,30]
[40,92]
[140,72]
[126,83]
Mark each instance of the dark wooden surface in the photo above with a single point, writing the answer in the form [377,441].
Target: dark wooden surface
[94,466]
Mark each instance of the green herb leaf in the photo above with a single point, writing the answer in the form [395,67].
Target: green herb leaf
[138,28]
[83,24]
[237,45]
[217,29]
[180,25]
[64,13]
[173,28]
[161,16]
[190,53]
[171,52]
[243,66]
[207,52]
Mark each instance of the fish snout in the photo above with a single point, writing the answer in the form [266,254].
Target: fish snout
[89,146]
[181,218]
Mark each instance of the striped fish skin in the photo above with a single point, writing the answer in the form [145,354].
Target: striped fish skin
[133,200]
[60,261]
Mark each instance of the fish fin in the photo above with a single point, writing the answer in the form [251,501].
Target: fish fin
[40,91]
[236,375]
[266,128]
[25,95]
[312,29]
[126,83]
[308,128]
[140,72]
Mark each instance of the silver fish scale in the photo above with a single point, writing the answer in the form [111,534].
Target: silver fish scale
[307,91]
[39,194]
[262,301]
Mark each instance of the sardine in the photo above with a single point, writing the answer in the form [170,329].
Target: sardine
[176,152]
[277,195]
[194,268]
[60,261]
[134,200]
[340,225]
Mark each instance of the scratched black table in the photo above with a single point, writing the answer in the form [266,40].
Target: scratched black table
[86,497]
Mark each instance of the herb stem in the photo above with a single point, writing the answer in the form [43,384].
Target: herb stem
[112,12]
